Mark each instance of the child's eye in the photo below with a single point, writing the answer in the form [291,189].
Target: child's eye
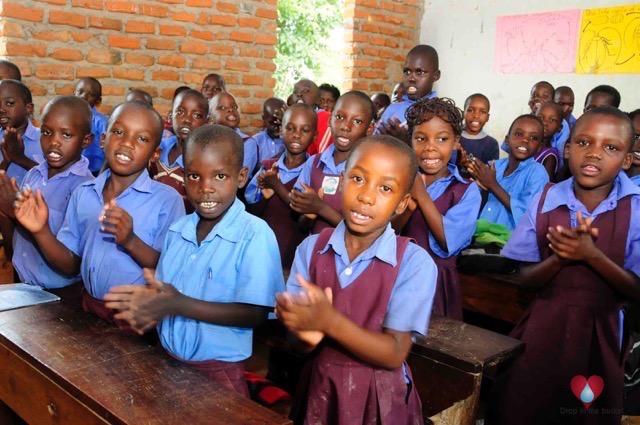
[357,121]
[10,103]
[518,133]
[193,177]
[234,107]
[45,132]
[357,179]
[419,139]
[406,71]
[197,115]
[582,143]
[179,112]
[420,72]
[385,189]
[338,116]
[611,148]
[143,139]
[221,176]
[117,131]
[442,139]
[67,135]
[221,108]
[534,138]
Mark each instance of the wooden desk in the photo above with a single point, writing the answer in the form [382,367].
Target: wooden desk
[59,365]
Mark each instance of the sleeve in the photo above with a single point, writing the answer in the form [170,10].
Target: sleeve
[301,263]
[305,174]
[459,223]
[70,235]
[412,296]
[250,154]
[504,146]
[523,242]
[259,268]
[632,257]
[101,125]
[493,151]
[26,181]
[531,186]
[171,210]
[160,269]
[252,194]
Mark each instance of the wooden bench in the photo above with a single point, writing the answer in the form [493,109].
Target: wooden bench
[59,365]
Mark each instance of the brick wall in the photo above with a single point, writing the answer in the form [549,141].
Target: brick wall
[153,45]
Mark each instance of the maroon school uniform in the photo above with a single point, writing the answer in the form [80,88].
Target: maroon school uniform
[448,299]
[337,387]
[572,328]
[334,201]
[171,176]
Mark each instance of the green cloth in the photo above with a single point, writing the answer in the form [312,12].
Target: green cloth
[487,232]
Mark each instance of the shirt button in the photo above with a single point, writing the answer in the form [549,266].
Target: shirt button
[44,183]
[193,256]
[348,271]
[24,254]
[488,209]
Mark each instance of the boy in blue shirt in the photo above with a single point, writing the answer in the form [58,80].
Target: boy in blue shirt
[116,224]
[221,267]
[564,97]
[90,90]
[268,142]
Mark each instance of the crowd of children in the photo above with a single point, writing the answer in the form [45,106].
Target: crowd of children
[367,199]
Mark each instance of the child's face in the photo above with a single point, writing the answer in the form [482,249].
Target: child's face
[62,137]
[189,113]
[327,101]
[597,99]
[540,93]
[212,179]
[298,130]
[373,189]
[14,113]
[636,141]
[223,110]
[210,87]
[551,120]
[7,73]
[476,115]
[270,122]
[131,140]
[398,92]
[524,139]
[599,149]
[89,91]
[350,121]
[419,74]
[433,141]
[306,92]
[566,100]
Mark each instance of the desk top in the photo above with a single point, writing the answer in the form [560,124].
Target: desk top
[117,375]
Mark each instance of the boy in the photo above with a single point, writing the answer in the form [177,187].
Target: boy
[212,85]
[190,110]
[512,182]
[579,239]
[65,131]
[221,267]
[634,171]
[90,90]
[268,141]
[421,70]
[380,101]
[397,94]
[564,97]
[9,71]
[307,92]
[355,295]
[137,94]
[114,226]
[602,95]
[552,117]
[329,95]
[474,141]
[316,193]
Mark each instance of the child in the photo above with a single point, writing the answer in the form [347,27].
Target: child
[268,142]
[374,289]
[564,97]
[397,95]
[475,143]
[90,90]
[9,71]
[421,71]
[65,131]
[381,101]
[307,92]
[602,95]
[268,192]
[221,267]
[115,225]
[212,85]
[190,110]
[634,171]
[551,115]
[137,94]
[168,126]
[352,120]
[578,238]
[329,95]
[442,215]
[512,182]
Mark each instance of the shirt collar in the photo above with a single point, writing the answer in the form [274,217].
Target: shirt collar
[79,168]
[141,184]
[384,248]
[478,136]
[431,95]
[326,157]
[241,134]
[281,166]
[229,228]
[31,132]
[521,165]
[166,146]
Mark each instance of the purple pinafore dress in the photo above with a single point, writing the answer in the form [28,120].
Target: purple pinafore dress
[447,300]
[338,388]
[572,328]
[334,201]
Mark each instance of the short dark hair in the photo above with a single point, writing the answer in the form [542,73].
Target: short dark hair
[79,106]
[402,148]
[633,114]
[214,134]
[565,89]
[364,98]
[147,97]
[429,52]
[425,109]
[23,90]
[219,77]
[194,93]
[527,117]
[179,90]
[610,90]
[145,107]
[608,111]
[300,106]
[94,81]
[331,89]
[548,84]
[383,97]
[555,106]
[17,75]
[476,96]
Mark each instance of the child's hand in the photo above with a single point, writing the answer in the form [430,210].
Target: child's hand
[393,127]
[315,315]
[574,244]
[307,202]
[286,299]
[465,159]
[12,145]
[277,116]
[118,222]
[269,178]
[8,193]
[483,175]
[31,210]
[418,190]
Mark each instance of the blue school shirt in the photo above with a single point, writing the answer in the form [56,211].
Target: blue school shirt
[32,150]
[267,147]
[153,206]
[253,194]
[166,145]
[27,259]
[460,220]
[572,121]
[522,185]
[94,153]
[557,141]
[411,299]
[238,262]
[327,164]
[250,155]
[398,110]
[635,180]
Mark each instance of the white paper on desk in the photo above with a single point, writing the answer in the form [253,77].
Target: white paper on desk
[17,295]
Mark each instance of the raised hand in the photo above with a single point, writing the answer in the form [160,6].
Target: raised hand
[12,145]
[307,202]
[8,194]
[118,222]
[31,210]
[574,244]
[393,127]
[483,174]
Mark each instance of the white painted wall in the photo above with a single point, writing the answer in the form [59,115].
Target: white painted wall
[463,32]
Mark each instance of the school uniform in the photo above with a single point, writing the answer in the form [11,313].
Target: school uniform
[575,325]
[153,207]
[481,146]
[398,110]
[635,180]
[321,172]
[560,139]
[267,146]
[94,153]
[458,201]
[56,191]
[171,174]
[545,153]
[277,213]
[390,285]
[571,121]
[522,185]
[236,263]
[32,150]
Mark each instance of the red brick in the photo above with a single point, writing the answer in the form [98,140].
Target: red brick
[183,16]
[11,29]
[165,76]
[94,72]
[105,109]
[88,4]
[51,35]
[25,67]
[121,6]
[80,37]
[128,74]
[66,18]
[249,22]
[67,55]
[153,91]
[267,39]
[251,108]
[266,66]
[200,3]
[242,94]
[140,27]
[193,47]
[269,53]
[232,79]
[123,42]
[203,35]
[222,50]
[194,78]
[206,63]
[64,89]
[226,21]
[203,19]
[262,94]
[14,49]
[37,90]
[236,65]
[55,72]
[171,2]
[58,2]
[155,11]
[252,80]
[227,7]
[173,30]
[160,44]
[112,91]
[10,10]
[243,37]
[173,60]
[105,23]
[251,52]
[167,93]
[138,59]
[104,57]
[267,13]
[271,83]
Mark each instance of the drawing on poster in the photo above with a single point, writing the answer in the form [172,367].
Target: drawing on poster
[537,43]
[609,41]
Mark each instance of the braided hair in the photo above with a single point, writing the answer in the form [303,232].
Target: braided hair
[442,107]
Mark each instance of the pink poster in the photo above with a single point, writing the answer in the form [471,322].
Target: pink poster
[540,43]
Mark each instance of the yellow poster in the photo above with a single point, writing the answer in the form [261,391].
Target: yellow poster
[609,41]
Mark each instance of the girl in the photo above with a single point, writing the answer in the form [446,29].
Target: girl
[550,114]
